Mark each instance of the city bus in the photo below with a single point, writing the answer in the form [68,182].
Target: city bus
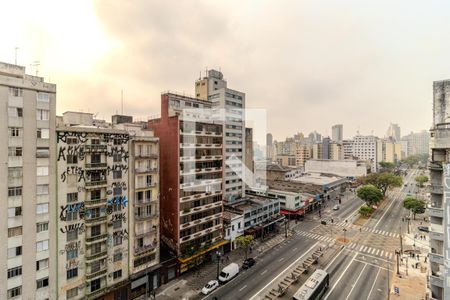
[314,288]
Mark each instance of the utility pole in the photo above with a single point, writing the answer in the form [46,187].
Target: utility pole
[397,252]
[285,228]
[218,263]
[388,282]
[401,239]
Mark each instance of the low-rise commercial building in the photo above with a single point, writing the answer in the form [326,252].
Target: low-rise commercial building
[343,168]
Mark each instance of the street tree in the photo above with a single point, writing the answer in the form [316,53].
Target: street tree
[421,180]
[416,206]
[244,242]
[387,166]
[370,194]
[411,160]
[365,211]
[383,181]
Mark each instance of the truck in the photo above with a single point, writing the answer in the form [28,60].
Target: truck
[229,272]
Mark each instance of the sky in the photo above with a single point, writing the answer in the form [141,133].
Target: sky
[310,64]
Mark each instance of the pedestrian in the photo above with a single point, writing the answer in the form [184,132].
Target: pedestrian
[418,257]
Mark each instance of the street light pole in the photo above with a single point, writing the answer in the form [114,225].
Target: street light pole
[401,239]
[218,263]
[397,252]
[389,284]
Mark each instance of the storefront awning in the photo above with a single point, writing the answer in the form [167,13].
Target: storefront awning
[299,212]
[185,260]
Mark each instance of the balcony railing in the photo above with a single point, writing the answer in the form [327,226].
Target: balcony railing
[439,236]
[97,273]
[96,165]
[436,212]
[192,145]
[93,202]
[148,231]
[436,280]
[145,216]
[203,132]
[437,166]
[145,170]
[96,219]
[96,238]
[437,258]
[96,255]
[95,148]
[436,189]
[145,201]
[146,155]
[95,183]
[146,248]
[146,185]
[96,293]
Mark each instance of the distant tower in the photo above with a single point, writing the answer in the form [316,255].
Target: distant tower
[393,132]
[269,139]
[337,132]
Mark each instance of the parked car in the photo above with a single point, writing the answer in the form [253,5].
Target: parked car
[209,287]
[228,273]
[248,263]
[336,207]
[423,228]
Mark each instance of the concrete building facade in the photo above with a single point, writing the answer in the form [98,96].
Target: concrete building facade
[365,148]
[302,154]
[27,188]
[337,133]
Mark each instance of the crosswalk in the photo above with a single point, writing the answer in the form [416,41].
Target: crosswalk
[377,231]
[351,246]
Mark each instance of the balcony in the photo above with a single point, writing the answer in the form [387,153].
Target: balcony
[95,183]
[439,236]
[436,189]
[95,220]
[145,170]
[102,254]
[198,171]
[437,280]
[140,217]
[98,273]
[95,294]
[198,183]
[146,185]
[199,196]
[200,233]
[144,201]
[203,133]
[96,166]
[97,238]
[145,249]
[436,258]
[148,231]
[435,166]
[95,202]
[95,148]
[146,155]
[189,211]
[441,136]
[200,221]
[201,158]
[208,146]
[436,212]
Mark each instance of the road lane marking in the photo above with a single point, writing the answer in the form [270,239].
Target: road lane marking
[340,277]
[390,255]
[357,279]
[281,259]
[378,251]
[373,285]
[372,250]
[387,209]
[294,249]
[382,253]
[242,288]
[264,272]
[287,268]
[362,246]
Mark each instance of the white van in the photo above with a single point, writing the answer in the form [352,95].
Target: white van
[228,272]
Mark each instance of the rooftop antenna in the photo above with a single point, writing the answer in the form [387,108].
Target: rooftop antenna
[122,101]
[15,55]
[36,65]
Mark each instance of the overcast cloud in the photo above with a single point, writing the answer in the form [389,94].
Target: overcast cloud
[311,64]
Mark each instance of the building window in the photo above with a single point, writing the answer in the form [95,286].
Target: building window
[42,114]
[14,172]
[14,231]
[72,159]
[14,191]
[96,248]
[42,152]
[15,251]
[96,194]
[43,282]
[72,235]
[14,211]
[72,293]
[72,197]
[42,264]
[15,132]
[43,97]
[42,246]
[95,230]
[117,224]
[42,208]
[42,171]
[13,272]
[117,191]
[117,274]
[15,112]
[95,284]
[14,292]
[71,254]
[43,133]
[117,240]
[72,273]
[14,151]
[42,227]
[15,92]
[117,174]
[117,256]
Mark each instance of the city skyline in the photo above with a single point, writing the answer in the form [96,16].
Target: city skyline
[98,58]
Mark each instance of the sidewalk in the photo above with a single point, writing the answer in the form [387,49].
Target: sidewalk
[189,285]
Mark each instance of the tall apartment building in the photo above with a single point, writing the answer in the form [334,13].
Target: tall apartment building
[27,188]
[393,132]
[388,150]
[302,154]
[336,151]
[213,88]
[439,166]
[327,149]
[365,148]
[337,133]
[93,206]
[417,142]
[347,149]
[192,188]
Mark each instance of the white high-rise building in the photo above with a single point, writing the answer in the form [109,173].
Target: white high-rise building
[27,190]
[365,148]
[393,132]
[214,88]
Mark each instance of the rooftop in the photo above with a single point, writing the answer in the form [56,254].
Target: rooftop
[317,178]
